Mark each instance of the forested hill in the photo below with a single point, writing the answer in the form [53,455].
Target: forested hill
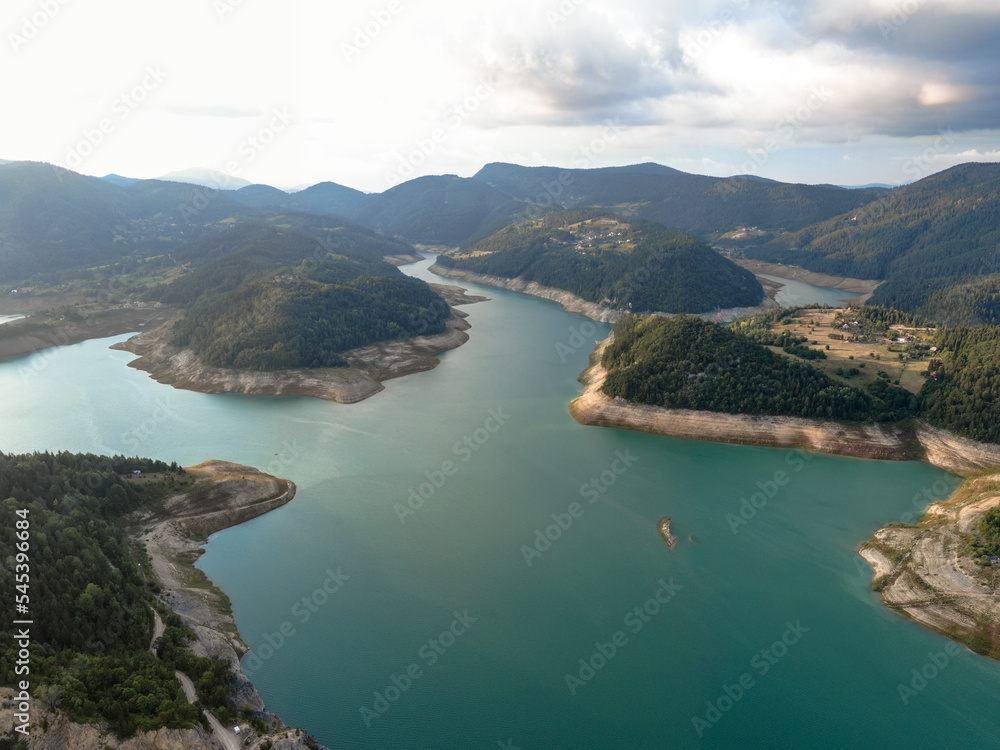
[696,204]
[278,300]
[923,238]
[53,219]
[88,597]
[633,265]
[686,363]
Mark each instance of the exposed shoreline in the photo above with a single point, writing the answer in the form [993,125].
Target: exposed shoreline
[921,574]
[173,532]
[224,495]
[918,569]
[574,304]
[909,441]
[369,365]
[863,288]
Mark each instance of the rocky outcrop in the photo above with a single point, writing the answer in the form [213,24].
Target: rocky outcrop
[922,573]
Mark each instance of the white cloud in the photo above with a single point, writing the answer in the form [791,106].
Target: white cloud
[697,83]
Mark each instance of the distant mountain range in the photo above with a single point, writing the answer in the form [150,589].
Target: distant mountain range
[924,238]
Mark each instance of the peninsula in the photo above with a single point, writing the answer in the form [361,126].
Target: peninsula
[367,366]
[151,522]
[942,572]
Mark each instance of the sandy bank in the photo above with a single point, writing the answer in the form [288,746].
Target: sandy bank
[899,442]
[572,303]
[369,365]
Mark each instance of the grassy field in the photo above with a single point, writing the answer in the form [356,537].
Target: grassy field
[817,325]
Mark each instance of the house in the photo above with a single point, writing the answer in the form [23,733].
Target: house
[136,471]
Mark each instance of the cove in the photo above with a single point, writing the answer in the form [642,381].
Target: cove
[763,635]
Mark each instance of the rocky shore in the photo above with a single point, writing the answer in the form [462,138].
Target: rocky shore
[223,495]
[909,441]
[919,570]
[369,365]
[922,573]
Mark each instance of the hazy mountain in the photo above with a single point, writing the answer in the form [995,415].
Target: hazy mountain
[211,178]
[261,196]
[691,203]
[117,179]
[439,210]
[53,219]
[330,199]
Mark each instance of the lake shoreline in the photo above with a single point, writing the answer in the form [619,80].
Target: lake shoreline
[596,312]
[369,366]
[908,441]
[862,288]
[917,569]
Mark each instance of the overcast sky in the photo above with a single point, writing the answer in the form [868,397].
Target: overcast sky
[370,93]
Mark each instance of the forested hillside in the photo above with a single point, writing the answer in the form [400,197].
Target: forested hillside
[634,265]
[90,592]
[690,203]
[264,298]
[307,315]
[929,240]
[686,363]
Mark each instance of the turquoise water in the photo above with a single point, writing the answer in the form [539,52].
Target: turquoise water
[794,293]
[830,682]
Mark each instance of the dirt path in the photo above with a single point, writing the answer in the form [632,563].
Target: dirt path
[158,629]
[226,737]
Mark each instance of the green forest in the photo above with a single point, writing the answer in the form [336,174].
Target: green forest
[633,265]
[685,363]
[931,241]
[271,299]
[92,591]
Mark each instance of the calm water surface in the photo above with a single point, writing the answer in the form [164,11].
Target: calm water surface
[766,629]
[797,293]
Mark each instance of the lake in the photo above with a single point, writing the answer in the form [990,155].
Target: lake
[498,574]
